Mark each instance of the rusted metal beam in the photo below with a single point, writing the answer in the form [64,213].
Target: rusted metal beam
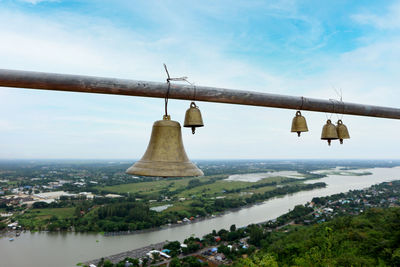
[100,85]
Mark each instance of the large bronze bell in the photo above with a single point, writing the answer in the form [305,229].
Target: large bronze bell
[165,155]
[342,131]
[329,132]
[299,124]
[193,117]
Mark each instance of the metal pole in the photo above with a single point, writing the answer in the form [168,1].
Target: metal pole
[100,85]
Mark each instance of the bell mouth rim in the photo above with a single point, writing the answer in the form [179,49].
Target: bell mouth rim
[163,161]
[189,169]
[194,125]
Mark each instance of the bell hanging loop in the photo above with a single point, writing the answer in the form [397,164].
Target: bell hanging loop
[329,132]
[165,155]
[342,131]
[299,124]
[193,118]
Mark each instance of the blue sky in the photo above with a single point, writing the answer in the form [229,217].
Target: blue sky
[304,48]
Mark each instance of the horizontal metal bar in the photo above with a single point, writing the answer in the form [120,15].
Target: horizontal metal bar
[100,85]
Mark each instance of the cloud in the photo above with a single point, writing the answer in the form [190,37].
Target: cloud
[388,21]
[58,124]
[34,2]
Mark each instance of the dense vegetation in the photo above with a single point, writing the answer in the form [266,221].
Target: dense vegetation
[370,239]
[127,214]
[348,239]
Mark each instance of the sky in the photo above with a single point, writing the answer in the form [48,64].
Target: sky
[302,48]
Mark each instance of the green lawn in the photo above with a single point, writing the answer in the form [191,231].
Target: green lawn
[263,189]
[146,187]
[43,214]
[152,186]
[217,188]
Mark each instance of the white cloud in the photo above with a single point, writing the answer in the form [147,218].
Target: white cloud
[390,20]
[67,125]
[34,2]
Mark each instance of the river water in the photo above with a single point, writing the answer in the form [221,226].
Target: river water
[67,249]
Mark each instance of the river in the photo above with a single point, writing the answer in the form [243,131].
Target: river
[67,249]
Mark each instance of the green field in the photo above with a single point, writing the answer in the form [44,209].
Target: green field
[147,187]
[40,219]
[153,187]
[43,214]
[217,188]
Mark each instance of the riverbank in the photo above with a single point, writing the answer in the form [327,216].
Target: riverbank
[134,254]
[384,195]
[12,233]
[195,220]
[66,249]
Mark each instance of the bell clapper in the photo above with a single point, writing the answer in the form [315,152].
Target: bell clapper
[193,130]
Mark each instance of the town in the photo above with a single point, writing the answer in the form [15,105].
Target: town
[71,190]
[226,246]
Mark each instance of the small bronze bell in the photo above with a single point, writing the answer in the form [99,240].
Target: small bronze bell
[193,117]
[165,155]
[342,131]
[329,132]
[299,124]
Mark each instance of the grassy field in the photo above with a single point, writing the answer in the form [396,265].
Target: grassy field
[147,187]
[217,188]
[43,214]
[152,186]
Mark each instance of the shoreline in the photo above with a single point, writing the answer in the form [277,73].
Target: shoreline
[135,253]
[12,233]
[120,244]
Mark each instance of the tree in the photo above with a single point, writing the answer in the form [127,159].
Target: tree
[256,235]
[265,260]
[145,261]
[108,263]
[223,249]
[175,262]
[40,205]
